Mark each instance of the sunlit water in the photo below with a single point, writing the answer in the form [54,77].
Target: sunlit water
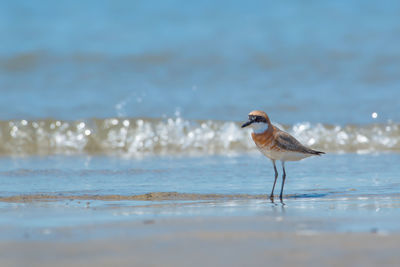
[138,137]
[102,103]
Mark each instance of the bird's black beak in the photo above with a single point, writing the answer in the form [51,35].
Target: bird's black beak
[247,123]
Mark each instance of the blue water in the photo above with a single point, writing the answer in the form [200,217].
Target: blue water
[340,193]
[333,62]
[326,176]
[307,64]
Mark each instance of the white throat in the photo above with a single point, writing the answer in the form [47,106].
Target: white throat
[259,127]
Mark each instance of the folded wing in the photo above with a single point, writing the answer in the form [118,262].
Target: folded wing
[285,141]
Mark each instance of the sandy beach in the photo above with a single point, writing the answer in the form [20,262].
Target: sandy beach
[233,241]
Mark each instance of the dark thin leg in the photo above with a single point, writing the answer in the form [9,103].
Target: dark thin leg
[271,196]
[283,179]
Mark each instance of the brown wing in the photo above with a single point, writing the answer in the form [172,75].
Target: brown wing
[285,141]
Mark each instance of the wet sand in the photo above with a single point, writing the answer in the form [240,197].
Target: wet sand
[226,241]
[152,196]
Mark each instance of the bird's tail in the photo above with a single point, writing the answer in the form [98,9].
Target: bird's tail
[315,152]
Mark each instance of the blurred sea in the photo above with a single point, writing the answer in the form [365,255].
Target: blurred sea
[146,84]
[335,62]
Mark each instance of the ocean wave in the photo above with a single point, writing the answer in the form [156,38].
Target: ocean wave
[176,136]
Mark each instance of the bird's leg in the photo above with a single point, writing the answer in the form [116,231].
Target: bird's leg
[271,196]
[283,179]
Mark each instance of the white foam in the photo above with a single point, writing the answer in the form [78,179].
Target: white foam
[134,137]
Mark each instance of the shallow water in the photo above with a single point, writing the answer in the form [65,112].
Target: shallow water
[112,112]
[52,193]
[244,174]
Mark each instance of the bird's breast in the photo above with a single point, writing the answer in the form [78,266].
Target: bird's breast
[263,140]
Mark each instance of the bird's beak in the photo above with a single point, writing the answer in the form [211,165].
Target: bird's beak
[247,123]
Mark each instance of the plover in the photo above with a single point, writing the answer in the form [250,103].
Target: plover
[276,144]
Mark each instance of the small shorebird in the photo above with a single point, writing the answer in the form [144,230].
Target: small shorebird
[276,144]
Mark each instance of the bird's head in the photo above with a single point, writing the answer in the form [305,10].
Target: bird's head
[257,120]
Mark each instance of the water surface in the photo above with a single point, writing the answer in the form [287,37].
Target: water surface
[334,63]
[40,193]
[121,111]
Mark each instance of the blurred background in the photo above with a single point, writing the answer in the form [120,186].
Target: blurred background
[334,62]
[123,111]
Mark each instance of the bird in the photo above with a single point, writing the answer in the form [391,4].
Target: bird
[276,144]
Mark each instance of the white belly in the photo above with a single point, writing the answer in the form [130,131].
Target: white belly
[283,155]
